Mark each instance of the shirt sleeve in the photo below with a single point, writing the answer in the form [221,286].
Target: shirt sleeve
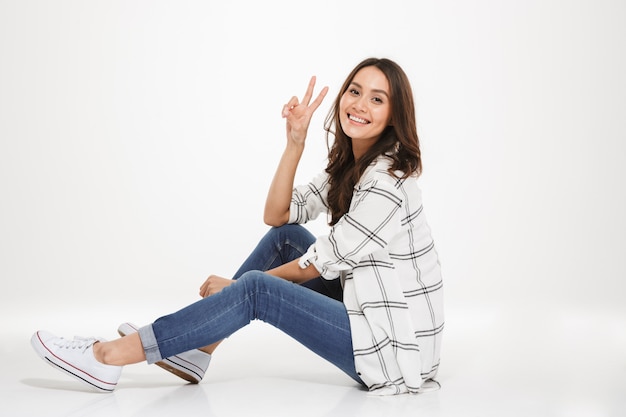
[370,224]
[308,201]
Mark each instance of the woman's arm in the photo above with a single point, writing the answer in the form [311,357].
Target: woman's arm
[298,116]
[279,195]
[291,271]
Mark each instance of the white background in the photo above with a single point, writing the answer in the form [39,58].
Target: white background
[138,139]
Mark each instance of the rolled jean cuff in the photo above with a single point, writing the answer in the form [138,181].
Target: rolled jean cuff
[149,343]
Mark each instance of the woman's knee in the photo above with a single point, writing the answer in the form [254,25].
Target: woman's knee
[286,230]
[259,283]
[253,280]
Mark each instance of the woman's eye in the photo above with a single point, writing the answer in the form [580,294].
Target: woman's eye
[354,92]
[377,100]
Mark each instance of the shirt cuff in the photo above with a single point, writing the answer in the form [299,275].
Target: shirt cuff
[311,257]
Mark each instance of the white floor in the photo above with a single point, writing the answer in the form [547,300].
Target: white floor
[568,364]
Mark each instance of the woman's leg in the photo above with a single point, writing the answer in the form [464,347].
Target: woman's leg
[279,245]
[318,322]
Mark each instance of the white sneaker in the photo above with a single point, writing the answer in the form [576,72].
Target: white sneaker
[75,358]
[190,366]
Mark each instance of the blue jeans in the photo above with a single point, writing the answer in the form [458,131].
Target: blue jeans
[313,313]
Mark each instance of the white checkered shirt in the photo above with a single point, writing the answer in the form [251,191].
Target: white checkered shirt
[383,251]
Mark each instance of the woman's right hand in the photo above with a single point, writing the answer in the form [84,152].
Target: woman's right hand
[298,114]
[213,285]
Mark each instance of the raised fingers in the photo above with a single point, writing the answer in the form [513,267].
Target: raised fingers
[306,100]
[309,91]
[320,97]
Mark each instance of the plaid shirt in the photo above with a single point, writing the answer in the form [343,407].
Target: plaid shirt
[383,252]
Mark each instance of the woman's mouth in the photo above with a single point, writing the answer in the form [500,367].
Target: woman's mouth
[358,119]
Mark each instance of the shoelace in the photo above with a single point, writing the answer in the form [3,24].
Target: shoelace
[81,343]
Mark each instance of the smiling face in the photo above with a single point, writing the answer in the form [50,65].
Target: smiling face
[365,108]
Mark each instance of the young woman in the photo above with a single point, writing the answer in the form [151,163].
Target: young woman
[367,297]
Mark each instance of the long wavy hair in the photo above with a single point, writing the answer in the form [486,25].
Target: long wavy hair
[399,140]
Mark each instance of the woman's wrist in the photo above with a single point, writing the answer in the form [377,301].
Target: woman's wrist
[294,148]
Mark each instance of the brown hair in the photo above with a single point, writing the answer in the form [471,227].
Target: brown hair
[399,140]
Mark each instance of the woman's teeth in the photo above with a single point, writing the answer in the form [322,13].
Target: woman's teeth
[357,119]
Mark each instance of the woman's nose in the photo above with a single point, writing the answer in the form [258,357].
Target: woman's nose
[359,104]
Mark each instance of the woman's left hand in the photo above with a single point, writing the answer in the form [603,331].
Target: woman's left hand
[213,285]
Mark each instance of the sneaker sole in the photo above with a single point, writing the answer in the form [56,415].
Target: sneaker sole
[58,363]
[175,365]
